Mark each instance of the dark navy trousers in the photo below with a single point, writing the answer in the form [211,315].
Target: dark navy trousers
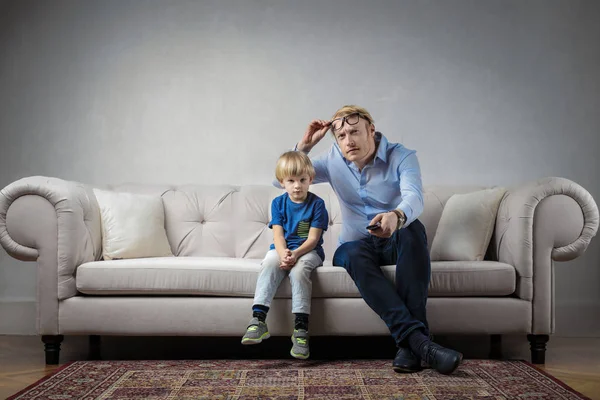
[401,305]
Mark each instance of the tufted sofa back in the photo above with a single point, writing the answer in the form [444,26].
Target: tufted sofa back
[232,221]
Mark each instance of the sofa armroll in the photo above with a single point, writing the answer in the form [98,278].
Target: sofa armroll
[552,219]
[53,222]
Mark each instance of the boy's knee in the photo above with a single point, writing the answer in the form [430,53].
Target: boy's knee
[301,270]
[270,263]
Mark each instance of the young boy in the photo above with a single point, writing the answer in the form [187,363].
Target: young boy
[299,218]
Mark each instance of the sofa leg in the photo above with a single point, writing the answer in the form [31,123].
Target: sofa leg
[52,348]
[538,348]
[495,347]
[94,347]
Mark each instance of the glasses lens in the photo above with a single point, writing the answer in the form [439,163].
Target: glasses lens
[336,125]
[352,119]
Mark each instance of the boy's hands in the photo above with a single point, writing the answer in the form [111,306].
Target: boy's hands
[288,260]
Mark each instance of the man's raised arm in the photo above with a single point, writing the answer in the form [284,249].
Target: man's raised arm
[315,131]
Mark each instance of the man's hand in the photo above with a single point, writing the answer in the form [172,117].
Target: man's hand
[314,133]
[288,260]
[388,220]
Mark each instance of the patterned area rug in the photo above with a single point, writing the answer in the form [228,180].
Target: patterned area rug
[291,379]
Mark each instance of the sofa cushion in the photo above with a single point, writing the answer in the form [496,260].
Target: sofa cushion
[236,277]
[133,225]
[466,226]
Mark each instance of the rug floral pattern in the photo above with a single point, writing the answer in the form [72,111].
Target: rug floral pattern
[293,380]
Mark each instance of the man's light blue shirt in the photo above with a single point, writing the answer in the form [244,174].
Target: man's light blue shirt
[391,181]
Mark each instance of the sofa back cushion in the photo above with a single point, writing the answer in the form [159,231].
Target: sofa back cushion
[232,221]
[199,220]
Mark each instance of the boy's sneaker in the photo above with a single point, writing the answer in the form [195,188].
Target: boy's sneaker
[300,348]
[256,332]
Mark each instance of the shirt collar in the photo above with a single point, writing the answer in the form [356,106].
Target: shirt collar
[382,147]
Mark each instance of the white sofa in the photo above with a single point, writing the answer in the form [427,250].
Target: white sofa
[219,234]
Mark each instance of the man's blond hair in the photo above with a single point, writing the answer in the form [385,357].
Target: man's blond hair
[351,109]
[294,163]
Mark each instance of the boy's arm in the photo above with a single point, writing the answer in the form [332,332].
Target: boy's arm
[314,234]
[279,241]
[319,223]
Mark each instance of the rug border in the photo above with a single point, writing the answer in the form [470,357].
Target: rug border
[61,368]
[555,379]
[39,381]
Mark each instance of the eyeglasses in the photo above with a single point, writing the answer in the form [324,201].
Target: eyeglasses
[338,123]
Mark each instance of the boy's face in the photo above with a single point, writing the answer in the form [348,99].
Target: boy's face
[297,187]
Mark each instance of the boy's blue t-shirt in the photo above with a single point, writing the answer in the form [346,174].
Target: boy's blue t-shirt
[297,219]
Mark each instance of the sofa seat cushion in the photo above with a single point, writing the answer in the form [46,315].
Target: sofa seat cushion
[236,277]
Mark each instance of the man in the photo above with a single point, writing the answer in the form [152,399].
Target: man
[378,184]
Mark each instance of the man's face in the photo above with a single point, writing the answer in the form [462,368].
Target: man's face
[357,141]
[297,187]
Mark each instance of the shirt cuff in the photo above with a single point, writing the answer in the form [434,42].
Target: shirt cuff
[407,211]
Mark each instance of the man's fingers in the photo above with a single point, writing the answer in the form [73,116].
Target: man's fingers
[315,131]
[316,125]
[377,219]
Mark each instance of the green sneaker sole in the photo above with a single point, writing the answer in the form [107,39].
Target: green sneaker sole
[265,335]
[300,356]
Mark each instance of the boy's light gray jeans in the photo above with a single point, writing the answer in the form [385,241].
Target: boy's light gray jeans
[271,276]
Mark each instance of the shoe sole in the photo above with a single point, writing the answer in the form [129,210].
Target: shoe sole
[403,370]
[299,356]
[256,341]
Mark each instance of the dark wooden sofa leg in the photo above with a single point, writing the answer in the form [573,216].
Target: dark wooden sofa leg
[495,347]
[52,348]
[94,347]
[538,348]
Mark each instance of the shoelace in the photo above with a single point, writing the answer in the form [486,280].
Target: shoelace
[253,328]
[301,341]
[430,354]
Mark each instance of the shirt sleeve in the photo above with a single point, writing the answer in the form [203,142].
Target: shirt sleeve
[276,216]
[320,165]
[411,188]
[320,218]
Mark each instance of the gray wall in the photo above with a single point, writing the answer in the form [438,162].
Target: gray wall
[488,92]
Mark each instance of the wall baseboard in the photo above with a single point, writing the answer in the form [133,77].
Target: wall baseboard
[17,316]
[573,319]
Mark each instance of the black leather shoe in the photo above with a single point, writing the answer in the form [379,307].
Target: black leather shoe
[406,361]
[443,360]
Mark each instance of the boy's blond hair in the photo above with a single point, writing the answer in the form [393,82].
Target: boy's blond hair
[351,109]
[294,163]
